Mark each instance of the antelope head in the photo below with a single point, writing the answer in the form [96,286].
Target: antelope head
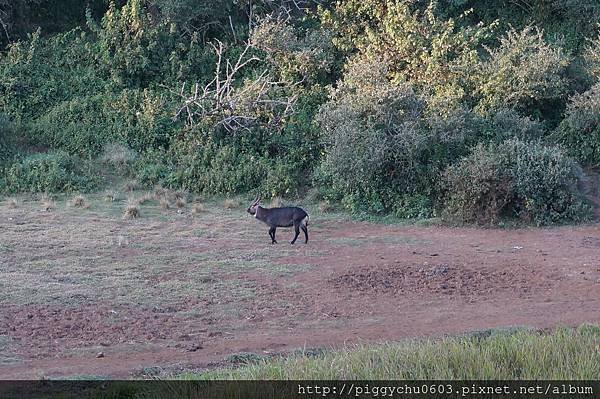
[252,208]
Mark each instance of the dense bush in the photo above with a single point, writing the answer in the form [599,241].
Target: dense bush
[383,148]
[514,179]
[38,74]
[436,54]
[151,168]
[592,57]
[49,172]
[296,58]
[8,140]
[580,129]
[524,72]
[212,168]
[135,49]
[83,125]
[506,123]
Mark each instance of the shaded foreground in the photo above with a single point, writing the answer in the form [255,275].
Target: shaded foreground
[174,291]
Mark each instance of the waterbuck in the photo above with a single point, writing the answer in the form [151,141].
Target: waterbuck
[287,216]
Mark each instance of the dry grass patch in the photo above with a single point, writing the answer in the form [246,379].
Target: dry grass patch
[230,204]
[276,202]
[160,192]
[325,207]
[132,210]
[12,203]
[180,195]
[198,208]
[118,155]
[130,185]
[48,203]
[180,202]
[164,203]
[79,201]
[110,196]
[145,198]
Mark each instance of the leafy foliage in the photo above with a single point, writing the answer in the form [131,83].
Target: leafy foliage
[506,123]
[592,57]
[134,49]
[296,59]
[383,148]
[433,53]
[85,124]
[579,131]
[8,140]
[382,105]
[515,179]
[37,74]
[524,72]
[48,172]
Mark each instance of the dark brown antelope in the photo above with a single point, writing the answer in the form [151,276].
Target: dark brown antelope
[287,216]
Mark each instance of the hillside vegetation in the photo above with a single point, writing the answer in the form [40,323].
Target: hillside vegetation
[475,111]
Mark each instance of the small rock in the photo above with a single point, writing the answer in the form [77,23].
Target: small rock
[100,354]
[433,254]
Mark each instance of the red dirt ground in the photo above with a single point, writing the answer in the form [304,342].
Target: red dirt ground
[372,288]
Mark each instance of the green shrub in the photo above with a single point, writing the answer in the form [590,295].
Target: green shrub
[84,125]
[134,49]
[75,126]
[383,147]
[506,123]
[152,168]
[524,72]
[212,168]
[38,74]
[9,139]
[295,58]
[580,129]
[282,179]
[592,57]
[514,179]
[48,172]
[434,53]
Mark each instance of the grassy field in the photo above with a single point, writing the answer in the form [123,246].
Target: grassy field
[518,353]
[154,284]
[84,249]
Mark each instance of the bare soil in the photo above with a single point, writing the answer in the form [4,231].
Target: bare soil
[172,292]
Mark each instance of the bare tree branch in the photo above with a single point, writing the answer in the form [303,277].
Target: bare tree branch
[233,106]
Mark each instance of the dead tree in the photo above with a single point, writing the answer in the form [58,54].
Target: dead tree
[227,103]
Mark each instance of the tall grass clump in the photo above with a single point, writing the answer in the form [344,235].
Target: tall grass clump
[132,209]
[515,353]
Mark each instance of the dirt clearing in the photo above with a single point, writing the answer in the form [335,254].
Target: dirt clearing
[173,290]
